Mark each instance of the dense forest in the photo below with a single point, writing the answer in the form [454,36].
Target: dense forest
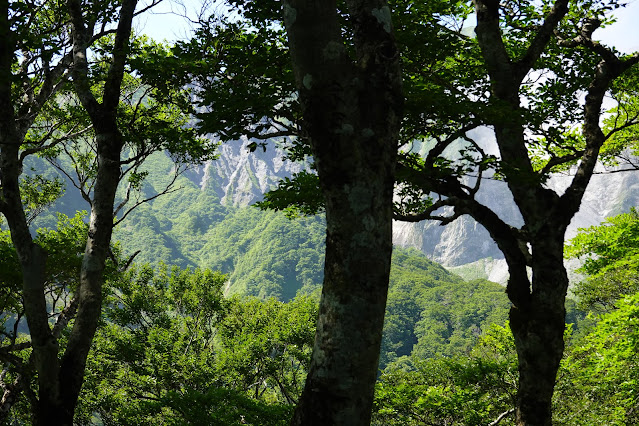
[132,294]
[178,350]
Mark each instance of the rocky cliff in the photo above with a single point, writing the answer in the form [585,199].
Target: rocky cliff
[241,177]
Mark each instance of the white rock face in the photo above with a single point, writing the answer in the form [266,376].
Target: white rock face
[608,194]
[464,242]
[241,178]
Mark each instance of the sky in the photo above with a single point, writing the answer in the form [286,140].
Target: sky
[166,22]
[623,34]
[171,19]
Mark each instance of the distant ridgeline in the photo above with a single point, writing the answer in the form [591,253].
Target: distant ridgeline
[179,225]
[431,312]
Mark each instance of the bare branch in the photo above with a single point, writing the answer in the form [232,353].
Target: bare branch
[541,38]
[81,182]
[15,347]
[265,136]
[148,7]
[428,213]
[585,39]
[67,314]
[81,41]
[501,417]
[167,190]
[442,144]
[629,123]
[127,263]
[555,161]
[53,142]
[113,83]
[605,73]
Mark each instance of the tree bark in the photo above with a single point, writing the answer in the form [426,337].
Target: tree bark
[109,144]
[537,317]
[538,329]
[73,362]
[60,380]
[31,256]
[538,313]
[351,115]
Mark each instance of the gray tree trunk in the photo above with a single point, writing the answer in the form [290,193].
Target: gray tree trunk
[537,317]
[351,117]
[32,257]
[109,144]
[60,378]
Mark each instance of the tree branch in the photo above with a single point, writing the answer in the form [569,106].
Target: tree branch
[127,263]
[81,41]
[167,190]
[67,314]
[11,393]
[605,74]
[541,39]
[52,83]
[488,30]
[585,39]
[501,417]
[555,161]
[113,83]
[52,141]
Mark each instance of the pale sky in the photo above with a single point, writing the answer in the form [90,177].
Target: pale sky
[162,23]
[623,34]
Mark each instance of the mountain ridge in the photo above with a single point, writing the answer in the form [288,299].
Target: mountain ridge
[247,175]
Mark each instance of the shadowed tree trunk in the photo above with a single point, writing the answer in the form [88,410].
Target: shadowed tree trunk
[537,316]
[538,327]
[60,376]
[351,116]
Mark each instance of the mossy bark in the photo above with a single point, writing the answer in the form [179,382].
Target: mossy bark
[351,117]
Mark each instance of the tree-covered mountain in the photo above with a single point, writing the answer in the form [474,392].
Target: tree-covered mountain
[210,198]
[431,311]
[238,178]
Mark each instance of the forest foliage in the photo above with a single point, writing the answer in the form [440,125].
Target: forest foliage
[169,334]
[175,348]
[225,335]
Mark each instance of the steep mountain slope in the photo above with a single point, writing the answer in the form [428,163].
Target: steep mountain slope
[204,222]
[241,177]
[179,225]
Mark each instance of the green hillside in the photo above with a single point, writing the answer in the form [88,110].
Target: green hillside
[431,311]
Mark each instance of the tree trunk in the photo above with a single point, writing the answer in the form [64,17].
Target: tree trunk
[537,317]
[538,329]
[32,257]
[109,145]
[32,261]
[343,369]
[351,115]
[60,380]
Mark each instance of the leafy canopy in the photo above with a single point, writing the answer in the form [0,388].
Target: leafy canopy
[610,254]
